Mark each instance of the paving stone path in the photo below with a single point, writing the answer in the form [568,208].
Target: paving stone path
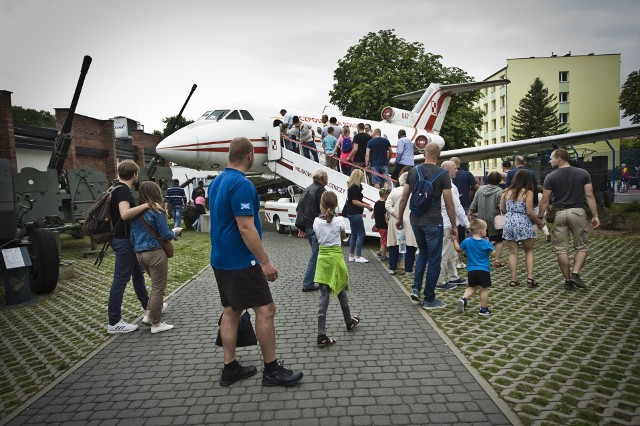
[393,369]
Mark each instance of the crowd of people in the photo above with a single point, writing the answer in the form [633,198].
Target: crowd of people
[428,232]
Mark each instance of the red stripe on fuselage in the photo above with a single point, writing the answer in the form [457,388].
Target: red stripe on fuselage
[209,143]
[256,149]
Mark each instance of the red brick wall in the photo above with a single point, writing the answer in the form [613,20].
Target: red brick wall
[7,138]
[90,133]
[142,140]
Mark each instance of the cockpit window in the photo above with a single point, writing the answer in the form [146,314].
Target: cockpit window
[216,115]
[205,115]
[246,115]
[233,115]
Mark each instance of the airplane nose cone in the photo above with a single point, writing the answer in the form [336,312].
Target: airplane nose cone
[179,146]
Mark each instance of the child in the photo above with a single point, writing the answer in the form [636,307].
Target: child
[200,209]
[331,270]
[478,250]
[150,253]
[343,142]
[380,216]
[328,145]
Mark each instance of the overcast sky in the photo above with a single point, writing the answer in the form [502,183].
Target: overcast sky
[148,53]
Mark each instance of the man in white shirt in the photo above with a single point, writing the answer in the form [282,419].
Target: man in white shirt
[449,258]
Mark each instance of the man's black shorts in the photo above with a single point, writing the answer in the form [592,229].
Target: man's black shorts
[244,288]
[479,278]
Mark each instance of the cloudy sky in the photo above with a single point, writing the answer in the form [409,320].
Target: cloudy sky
[148,53]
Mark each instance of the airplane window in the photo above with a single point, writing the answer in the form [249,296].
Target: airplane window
[205,115]
[246,115]
[217,114]
[233,115]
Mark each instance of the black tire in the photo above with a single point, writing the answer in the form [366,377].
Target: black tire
[45,261]
[279,227]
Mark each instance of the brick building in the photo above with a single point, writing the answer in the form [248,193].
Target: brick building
[94,143]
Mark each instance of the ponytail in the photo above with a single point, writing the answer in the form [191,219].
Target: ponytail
[328,215]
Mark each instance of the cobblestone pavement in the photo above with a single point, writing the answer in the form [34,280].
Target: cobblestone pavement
[393,369]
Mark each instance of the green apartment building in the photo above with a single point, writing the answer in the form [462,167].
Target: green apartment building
[587,88]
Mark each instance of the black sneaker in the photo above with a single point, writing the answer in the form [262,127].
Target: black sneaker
[568,285]
[281,376]
[577,281]
[230,377]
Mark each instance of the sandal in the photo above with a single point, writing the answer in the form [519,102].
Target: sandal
[323,340]
[499,264]
[532,283]
[354,321]
[514,283]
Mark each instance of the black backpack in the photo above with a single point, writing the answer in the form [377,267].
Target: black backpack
[97,220]
[422,193]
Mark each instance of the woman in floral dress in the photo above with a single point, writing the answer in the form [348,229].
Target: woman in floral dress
[517,205]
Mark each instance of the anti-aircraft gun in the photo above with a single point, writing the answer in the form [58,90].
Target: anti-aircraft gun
[35,205]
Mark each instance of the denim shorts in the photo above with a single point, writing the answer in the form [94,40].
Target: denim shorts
[383,170]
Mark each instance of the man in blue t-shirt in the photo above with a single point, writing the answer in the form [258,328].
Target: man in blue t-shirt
[242,268]
[377,158]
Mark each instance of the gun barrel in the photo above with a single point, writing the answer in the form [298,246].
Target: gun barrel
[66,127]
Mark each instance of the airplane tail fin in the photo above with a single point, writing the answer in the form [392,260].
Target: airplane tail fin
[429,112]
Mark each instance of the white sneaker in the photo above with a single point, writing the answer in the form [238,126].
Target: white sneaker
[352,258]
[146,320]
[121,327]
[162,327]
[461,265]
[361,260]
[392,272]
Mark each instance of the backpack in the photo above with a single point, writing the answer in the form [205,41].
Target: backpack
[97,220]
[422,193]
[347,145]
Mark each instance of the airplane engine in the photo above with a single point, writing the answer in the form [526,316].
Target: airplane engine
[422,141]
[396,116]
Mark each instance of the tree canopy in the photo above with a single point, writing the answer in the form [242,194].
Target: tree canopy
[382,65]
[32,117]
[537,114]
[168,121]
[630,97]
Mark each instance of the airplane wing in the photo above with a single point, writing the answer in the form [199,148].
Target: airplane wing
[524,146]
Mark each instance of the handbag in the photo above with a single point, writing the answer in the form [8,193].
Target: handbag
[246,335]
[498,221]
[166,245]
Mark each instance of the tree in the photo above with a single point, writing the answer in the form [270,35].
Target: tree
[382,65]
[537,114]
[630,97]
[32,117]
[168,121]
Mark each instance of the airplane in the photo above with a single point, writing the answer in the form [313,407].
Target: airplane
[204,144]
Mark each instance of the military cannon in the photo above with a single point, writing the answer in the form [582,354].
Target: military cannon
[35,205]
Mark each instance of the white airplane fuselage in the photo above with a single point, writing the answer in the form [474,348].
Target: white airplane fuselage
[204,144]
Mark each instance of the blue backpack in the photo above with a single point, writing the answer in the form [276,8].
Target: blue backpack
[422,193]
[347,145]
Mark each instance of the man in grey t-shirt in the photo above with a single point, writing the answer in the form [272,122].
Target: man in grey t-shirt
[568,185]
[428,227]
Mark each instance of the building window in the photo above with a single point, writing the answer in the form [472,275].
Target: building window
[493,105]
[486,108]
[495,163]
[564,117]
[564,96]
[503,139]
[486,127]
[493,124]
[564,76]
[503,122]
[501,101]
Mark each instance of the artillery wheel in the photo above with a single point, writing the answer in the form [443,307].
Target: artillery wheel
[45,261]
[279,227]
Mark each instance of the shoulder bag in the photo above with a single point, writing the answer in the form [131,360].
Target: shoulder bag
[246,335]
[166,245]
